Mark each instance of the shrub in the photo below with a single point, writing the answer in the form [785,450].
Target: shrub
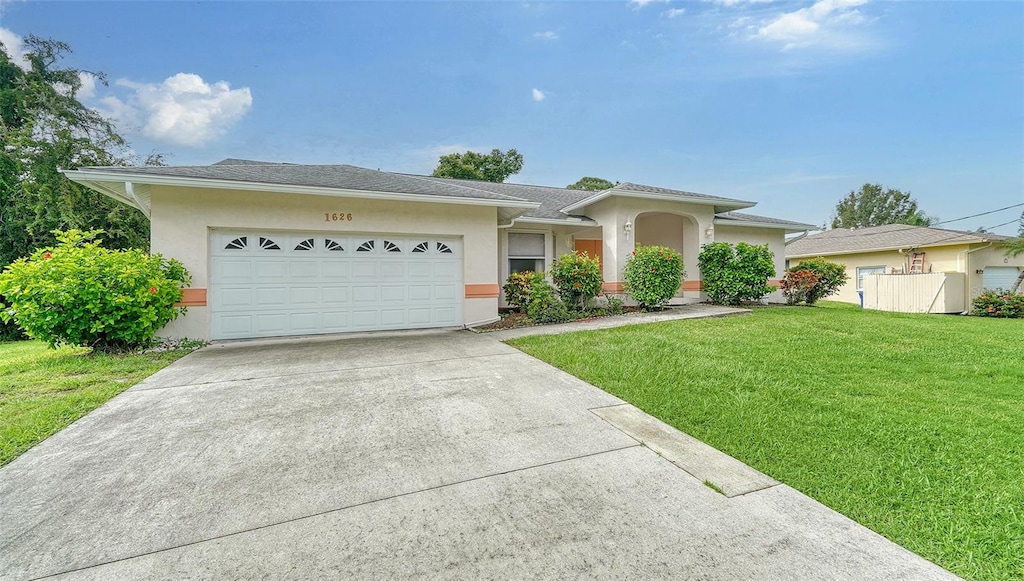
[653,275]
[796,285]
[578,279]
[78,293]
[998,303]
[517,289]
[9,330]
[831,276]
[545,306]
[734,274]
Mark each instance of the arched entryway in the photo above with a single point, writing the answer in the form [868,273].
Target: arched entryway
[678,231]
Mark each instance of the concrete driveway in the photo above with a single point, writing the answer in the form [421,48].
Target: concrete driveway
[440,455]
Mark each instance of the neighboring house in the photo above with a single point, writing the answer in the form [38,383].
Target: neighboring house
[903,249]
[283,249]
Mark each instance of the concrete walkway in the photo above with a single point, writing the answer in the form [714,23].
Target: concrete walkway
[427,455]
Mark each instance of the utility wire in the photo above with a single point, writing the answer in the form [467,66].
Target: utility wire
[984,214]
[907,227]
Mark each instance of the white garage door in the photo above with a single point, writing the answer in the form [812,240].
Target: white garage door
[999,277]
[267,284]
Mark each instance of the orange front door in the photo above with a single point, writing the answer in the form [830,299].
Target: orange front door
[591,247]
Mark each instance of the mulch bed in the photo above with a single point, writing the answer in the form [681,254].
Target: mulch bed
[512,320]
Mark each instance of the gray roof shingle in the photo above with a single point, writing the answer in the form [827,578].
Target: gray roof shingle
[631,187]
[346,177]
[552,200]
[744,217]
[888,237]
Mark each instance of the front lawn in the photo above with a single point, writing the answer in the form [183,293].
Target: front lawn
[912,425]
[43,390]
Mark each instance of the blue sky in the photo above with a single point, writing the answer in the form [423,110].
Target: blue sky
[790,104]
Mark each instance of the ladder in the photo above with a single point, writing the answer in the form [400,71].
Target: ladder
[917,263]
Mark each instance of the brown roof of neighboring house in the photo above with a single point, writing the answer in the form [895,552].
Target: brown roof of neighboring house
[875,238]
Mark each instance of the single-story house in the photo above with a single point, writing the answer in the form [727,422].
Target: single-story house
[904,249]
[279,249]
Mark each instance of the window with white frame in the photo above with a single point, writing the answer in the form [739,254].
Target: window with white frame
[525,252]
[862,271]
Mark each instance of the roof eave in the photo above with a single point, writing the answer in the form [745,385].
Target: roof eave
[557,221]
[93,178]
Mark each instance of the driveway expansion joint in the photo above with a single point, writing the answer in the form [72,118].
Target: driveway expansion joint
[700,460]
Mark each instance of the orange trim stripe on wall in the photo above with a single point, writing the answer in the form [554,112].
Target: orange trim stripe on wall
[693,285]
[482,291]
[192,297]
[613,287]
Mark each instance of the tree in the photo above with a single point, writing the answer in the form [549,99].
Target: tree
[873,206]
[495,166]
[592,184]
[45,128]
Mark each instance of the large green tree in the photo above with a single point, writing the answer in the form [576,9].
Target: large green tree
[874,205]
[591,184]
[495,166]
[44,127]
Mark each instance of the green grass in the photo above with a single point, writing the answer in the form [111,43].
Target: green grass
[44,390]
[912,425]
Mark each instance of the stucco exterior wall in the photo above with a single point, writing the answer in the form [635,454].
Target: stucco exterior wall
[181,220]
[954,258]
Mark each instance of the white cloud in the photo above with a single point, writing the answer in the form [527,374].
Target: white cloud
[538,95]
[182,110]
[15,48]
[638,4]
[814,24]
[547,36]
[673,12]
[88,88]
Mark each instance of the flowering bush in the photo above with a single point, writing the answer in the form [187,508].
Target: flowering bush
[831,276]
[736,274]
[517,289]
[653,275]
[545,306]
[797,285]
[78,293]
[998,303]
[578,279]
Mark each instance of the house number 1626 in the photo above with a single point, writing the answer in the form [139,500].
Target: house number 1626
[341,217]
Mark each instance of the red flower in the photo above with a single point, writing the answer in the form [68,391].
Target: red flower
[152,290]
[47,256]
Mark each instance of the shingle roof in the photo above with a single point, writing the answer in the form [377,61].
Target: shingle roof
[631,187]
[346,177]
[552,200]
[874,238]
[744,217]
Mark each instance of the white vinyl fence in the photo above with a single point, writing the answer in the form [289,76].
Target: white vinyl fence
[938,292]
